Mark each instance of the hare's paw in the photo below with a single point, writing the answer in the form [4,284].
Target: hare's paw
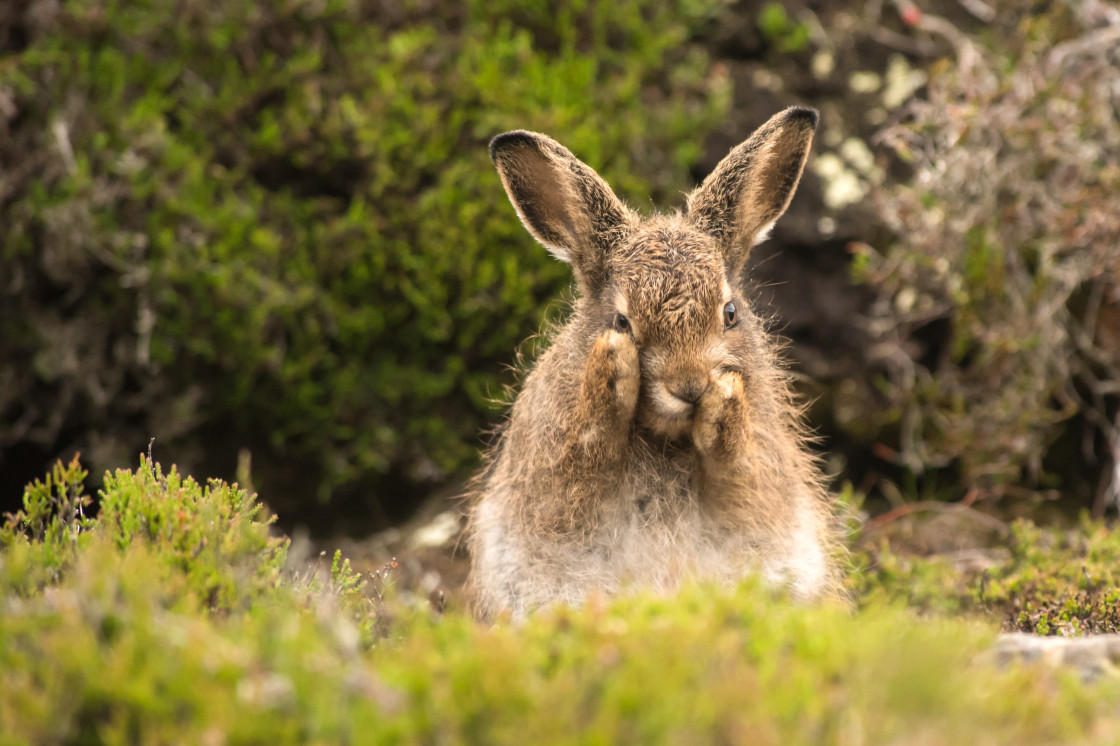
[719,428]
[613,377]
[627,376]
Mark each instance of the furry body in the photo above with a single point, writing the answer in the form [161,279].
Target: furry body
[655,440]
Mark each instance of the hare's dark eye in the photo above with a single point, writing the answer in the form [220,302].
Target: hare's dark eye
[729,316]
[621,323]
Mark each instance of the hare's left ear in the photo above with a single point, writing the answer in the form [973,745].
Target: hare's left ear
[751,188]
[562,201]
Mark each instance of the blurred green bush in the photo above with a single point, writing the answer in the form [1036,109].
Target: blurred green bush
[273,225]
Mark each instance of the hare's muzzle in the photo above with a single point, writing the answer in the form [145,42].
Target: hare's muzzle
[689,390]
[672,401]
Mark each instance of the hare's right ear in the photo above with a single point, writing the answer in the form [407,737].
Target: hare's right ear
[750,189]
[563,202]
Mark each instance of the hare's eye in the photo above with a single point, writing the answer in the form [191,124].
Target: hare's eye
[621,323]
[729,316]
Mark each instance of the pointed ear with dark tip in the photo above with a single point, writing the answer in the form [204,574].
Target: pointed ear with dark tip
[750,189]
[562,201]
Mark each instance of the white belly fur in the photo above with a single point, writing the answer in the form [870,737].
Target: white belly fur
[654,546]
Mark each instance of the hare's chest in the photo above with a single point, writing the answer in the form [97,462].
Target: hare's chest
[661,536]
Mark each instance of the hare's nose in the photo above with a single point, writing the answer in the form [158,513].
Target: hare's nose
[689,391]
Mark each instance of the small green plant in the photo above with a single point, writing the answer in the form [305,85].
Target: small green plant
[343,576]
[51,521]
[216,539]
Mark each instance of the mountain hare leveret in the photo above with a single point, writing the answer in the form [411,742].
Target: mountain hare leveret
[655,440]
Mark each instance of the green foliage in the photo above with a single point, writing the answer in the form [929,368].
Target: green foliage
[215,539]
[126,646]
[276,226]
[51,521]
[343,576]
[1047,581]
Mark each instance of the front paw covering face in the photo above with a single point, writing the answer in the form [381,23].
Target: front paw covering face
[700,405]
[617,357]
[719,427]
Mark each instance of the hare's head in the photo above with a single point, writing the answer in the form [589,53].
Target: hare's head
[669,281]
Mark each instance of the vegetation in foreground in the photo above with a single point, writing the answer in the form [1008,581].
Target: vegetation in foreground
[176,616]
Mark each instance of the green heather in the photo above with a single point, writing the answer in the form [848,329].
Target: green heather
[175,616]
[1050,581]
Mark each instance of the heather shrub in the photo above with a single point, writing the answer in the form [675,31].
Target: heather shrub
[274,226]
[999,319]
[125,644]
[214,539]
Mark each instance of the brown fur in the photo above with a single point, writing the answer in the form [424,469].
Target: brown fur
[666,447]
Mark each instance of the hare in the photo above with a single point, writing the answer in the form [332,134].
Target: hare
[656,439]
